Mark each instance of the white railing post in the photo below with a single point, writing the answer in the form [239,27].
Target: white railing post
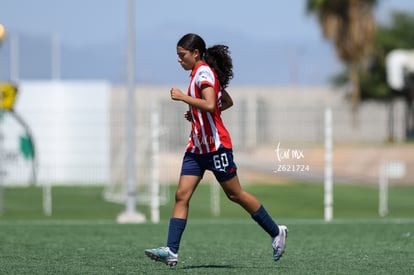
[328,183]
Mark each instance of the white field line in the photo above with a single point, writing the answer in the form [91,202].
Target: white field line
[311,221]
[216,221]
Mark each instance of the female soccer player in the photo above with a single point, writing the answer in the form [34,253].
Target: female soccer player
[209,146]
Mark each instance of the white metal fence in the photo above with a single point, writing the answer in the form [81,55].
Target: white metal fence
[86,145]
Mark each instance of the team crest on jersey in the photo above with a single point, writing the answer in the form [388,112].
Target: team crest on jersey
[205,75]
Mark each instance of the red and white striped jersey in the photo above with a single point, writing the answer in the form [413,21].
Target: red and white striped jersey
[208,132]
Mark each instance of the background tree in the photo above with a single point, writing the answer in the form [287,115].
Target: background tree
[350,25]
[398,33]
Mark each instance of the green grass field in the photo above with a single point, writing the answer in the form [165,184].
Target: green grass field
[81,237]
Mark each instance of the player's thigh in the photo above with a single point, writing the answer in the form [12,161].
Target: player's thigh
[186,187]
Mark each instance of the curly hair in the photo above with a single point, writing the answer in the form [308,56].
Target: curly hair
[218,56]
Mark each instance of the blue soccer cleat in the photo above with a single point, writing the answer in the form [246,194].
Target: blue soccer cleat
[279,242]
[162,254]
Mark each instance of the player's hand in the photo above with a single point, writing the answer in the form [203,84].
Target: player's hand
[176,94]
[187,115]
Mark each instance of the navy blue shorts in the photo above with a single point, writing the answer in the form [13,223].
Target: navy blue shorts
[220,163]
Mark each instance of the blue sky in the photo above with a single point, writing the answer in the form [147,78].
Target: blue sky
[81,22]
[89,22]
[257,25]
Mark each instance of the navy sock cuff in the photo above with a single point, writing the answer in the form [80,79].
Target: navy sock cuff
[179,223]
[265,221]
[258,213]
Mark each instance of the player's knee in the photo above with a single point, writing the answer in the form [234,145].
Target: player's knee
[234,197]
[181,197]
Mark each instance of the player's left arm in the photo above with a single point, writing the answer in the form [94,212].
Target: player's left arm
[226,100]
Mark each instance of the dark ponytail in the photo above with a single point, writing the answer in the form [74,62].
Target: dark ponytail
[218,57]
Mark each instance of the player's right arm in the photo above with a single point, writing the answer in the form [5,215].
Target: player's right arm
[207,102]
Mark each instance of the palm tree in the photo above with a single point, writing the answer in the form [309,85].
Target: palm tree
[350,25]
